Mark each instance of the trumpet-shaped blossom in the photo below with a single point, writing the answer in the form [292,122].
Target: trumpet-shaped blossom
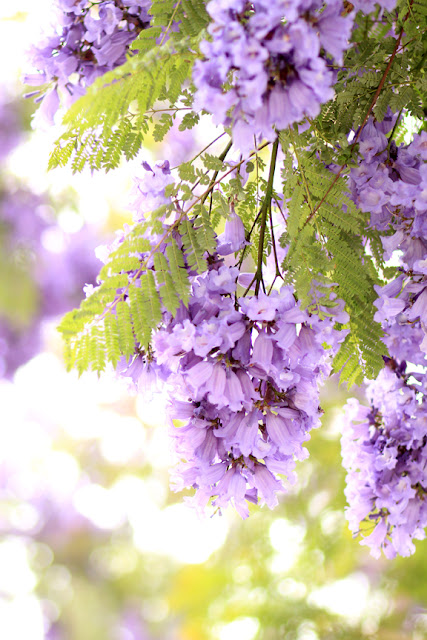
[385,453]
[275,55]
[244,408]
[90,39]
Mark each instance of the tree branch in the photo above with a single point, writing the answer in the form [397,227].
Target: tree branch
[371,106]
[264,212]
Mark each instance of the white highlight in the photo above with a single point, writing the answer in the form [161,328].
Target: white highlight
[287,540]
[242,628]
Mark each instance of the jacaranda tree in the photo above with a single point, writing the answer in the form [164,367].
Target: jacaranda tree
[252,273]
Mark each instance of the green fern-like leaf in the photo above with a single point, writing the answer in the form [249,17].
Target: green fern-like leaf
[205,234]
[124,326]
[161,11]
[111,120]
[324,233]
[81,355]
[142,326]
[151,299]
[167,289]
[178,271]
[162,127]
[193,250]
[194,17]
[112,343]
[147,39]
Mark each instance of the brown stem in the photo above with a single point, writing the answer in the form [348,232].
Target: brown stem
[371,106]
[264,212]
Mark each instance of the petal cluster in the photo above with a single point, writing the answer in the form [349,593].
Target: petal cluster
[92,38]
[384,445]
[244,388]
[243,373]
[384,450]
[265,66]
[390,184]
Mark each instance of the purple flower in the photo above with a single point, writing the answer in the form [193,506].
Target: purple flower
[418,146]
[253,51]
[385,454]
[49,106]
[90,40]
[261,307]
[148,193]
[234,237]
[104,21]
[226,380]
[334,30]
[267,485]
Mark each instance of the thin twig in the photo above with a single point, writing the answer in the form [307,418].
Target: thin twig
[203,150]
[170,23]
[182,215]
[391,136]
[276,261]
[222,158]
[371,106]
[264,212]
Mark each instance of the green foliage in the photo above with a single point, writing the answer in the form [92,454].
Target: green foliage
[112,118]
[325,236]
[144,308]
[166,284]
[191,15]
[138,282]
[192,240]
[376,58]
[162,127]
[324,229]
[189,120]
[177,266]
[124,325]
[115,115]
[205,233]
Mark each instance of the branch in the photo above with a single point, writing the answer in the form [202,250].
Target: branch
[215,175]
[371,106]
[163,238]
[264,211]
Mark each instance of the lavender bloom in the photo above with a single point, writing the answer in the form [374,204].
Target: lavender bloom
[242,376]
[234,237]
[391,184]
[148,193]
[420,202]
[404,302]
[245,408]
[367,6]
[385,454]
[418,146]
[384,446]
[274,54]
[93,39]
[230,369]
[262,307]
[243,379]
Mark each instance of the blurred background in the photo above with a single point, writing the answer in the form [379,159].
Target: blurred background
[93,546]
